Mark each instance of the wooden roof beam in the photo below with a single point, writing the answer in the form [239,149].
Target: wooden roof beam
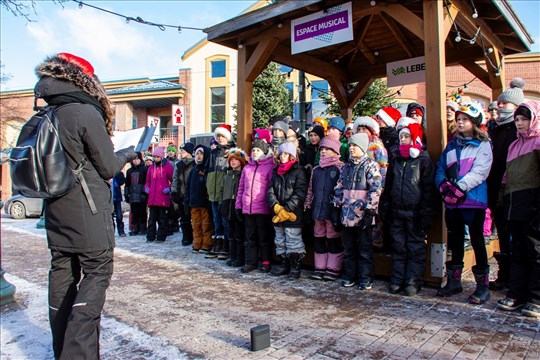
[478,71]
[405,17]
[397,34]
[360,89]
[339,91]
[260,58]
[311,65]
[450,16]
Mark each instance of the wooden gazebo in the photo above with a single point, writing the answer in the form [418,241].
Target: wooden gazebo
[384,32]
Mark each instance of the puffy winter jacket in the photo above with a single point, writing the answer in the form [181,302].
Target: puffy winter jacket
[358,189]
[254,184]
[196,193]
[410,186]
[159,177]
[135,182]
[522,178]
[229,191]
[321,191]
[70,224]
[181,172]
[466,162]
[501,138]
[289,190]
[216,165]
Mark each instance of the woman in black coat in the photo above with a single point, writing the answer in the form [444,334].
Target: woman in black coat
[80,236]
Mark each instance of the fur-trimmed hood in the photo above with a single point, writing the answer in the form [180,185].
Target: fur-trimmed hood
[72,78]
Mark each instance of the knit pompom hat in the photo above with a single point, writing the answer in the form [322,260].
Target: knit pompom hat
[330,143]
[361,140]
[159,151]
[368,122]
[514,94]
[261,144]
[287,147]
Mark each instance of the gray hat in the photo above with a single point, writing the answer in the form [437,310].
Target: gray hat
[261,144]
[361,140]
[281,125]
[492,106]
[514,94]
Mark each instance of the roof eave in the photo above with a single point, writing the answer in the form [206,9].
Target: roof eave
[509,14]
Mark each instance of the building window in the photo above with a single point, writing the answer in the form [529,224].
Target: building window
[318,107]
[134,123]
[217,106]
[218,68]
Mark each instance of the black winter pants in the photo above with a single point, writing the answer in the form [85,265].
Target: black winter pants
[185,224]
[75,311]
[456,219]
[259,240]
[408,250]
[237,234]
[157,214]
[524,282]
[138,216]
[358,254]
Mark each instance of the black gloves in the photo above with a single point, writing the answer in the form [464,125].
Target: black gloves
[129,153]
[367,219]
[335,217]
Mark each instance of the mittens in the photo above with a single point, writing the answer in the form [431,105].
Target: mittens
[147,190]
[284,215]
[277,208]
[167,190]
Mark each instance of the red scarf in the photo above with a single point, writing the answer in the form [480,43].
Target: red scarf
[284,167]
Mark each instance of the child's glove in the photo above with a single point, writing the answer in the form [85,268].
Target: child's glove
[367,219]
[290,215]
[444,188]
[457,192]
[281,216]
[278,208]
[147,190]
[167,191]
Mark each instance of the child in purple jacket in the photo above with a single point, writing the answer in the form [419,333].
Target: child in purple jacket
[158,188]
[251,205]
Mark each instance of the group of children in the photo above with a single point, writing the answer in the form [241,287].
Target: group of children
[346,185]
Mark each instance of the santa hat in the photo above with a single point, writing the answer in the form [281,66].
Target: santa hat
[224,130]
[405,122]
[368,122]
[415,130]
[389,115]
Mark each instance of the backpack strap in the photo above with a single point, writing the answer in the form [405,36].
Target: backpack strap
[78,172]
[86,191]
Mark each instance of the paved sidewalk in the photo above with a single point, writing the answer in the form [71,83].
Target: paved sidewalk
[198,308]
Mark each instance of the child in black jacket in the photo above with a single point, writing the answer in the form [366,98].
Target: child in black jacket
[407,203]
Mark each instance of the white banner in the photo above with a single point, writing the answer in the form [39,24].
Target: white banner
[178,114]
[410,71]
[323,28]
[155,121]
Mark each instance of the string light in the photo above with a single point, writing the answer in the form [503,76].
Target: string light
[138,19]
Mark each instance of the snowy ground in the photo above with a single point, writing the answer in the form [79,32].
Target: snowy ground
[166,303]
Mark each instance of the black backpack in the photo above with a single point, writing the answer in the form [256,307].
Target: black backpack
[38,164]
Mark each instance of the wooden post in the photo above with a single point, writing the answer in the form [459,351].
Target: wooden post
[244,119]
[434,38]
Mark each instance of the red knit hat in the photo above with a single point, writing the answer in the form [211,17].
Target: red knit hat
[225,130]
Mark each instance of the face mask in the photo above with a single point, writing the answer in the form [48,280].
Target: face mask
[404,150]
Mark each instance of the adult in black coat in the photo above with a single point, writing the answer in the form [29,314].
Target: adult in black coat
[81,240]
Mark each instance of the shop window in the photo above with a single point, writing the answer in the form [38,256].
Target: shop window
[217,106]
[218,68]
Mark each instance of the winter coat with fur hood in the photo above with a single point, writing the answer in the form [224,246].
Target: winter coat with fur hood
[84,128]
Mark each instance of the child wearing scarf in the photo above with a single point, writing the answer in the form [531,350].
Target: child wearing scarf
[285,197]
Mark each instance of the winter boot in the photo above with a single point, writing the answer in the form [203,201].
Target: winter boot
[283,267]
[501,283]
[296,265]
[481,294]
[453,282]
[320,266]
[333,266]
[217,243]
[224,253]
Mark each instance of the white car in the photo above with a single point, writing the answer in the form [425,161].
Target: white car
[20,207]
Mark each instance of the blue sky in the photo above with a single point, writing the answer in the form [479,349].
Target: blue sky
[123,51]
